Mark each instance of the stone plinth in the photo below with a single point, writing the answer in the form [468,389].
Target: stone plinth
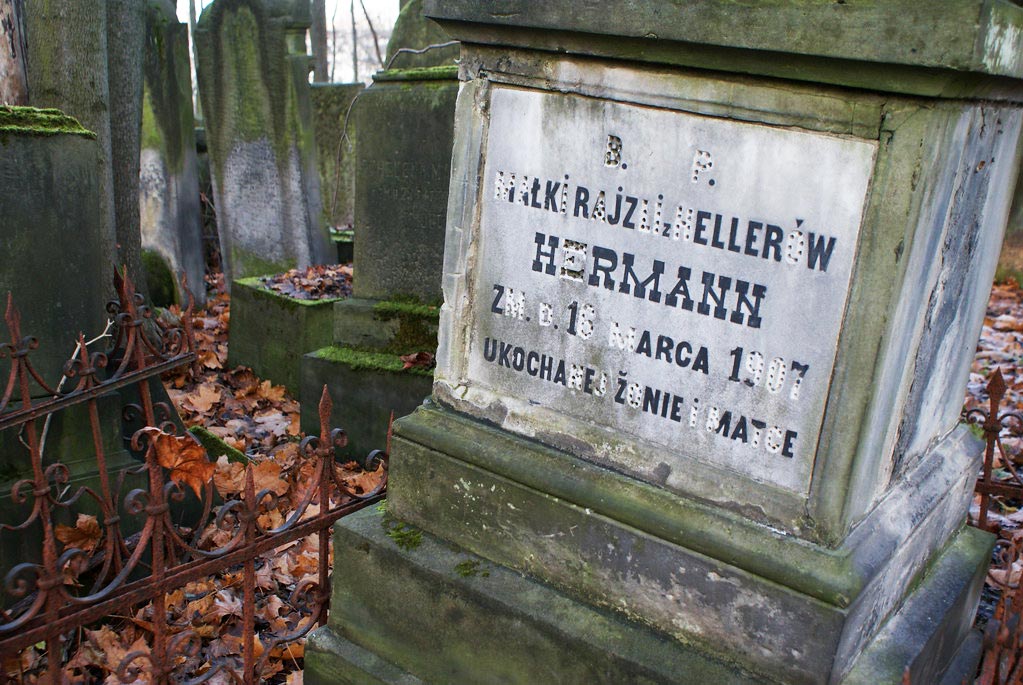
[271,331]
[253,79]
[169,179]
[55,268]
[404,123]
[335,156]
[363,370]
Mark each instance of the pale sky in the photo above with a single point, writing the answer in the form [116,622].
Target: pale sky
[382,12]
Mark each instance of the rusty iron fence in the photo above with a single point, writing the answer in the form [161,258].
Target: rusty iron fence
[146,548]
[1002,659]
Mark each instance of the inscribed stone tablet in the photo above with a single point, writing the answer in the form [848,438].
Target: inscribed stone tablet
[678,278]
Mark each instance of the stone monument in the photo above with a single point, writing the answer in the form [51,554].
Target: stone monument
[253,74]
[404,125]
[712,281]
[169,179]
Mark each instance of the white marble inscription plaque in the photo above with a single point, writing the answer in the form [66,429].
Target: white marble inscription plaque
[678,278]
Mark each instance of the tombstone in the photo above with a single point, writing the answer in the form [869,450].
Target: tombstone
[335,153]
[49,199]
[710,301]
[67,70]
[56,272]
[169,179]
[253,80]
[402,164]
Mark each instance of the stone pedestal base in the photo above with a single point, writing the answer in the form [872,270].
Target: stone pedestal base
[408,608]
[365,388]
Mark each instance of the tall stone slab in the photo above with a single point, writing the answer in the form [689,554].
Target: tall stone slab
[405,126]
[67,70]
[55,267]
[171,220]
[335,149]
[711,285]
[253,80]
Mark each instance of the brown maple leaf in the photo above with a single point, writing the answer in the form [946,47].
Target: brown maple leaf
[266,475]
[270,392]
[422,360]
[205,397]
[85,535]
[185,458]
[228,476]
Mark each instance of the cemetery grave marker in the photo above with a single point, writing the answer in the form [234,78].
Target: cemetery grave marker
[709,301]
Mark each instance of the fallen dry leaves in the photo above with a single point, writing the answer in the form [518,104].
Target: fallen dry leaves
[261,420]
[313,283]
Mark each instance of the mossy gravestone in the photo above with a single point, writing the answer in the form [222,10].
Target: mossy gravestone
[169,179]
[404,125]
[57,272]
[253,78]
[710,301]
[336,156]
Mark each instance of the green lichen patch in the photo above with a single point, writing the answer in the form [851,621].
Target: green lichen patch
[215,447]
[417,74]
[403,535]
[40,122]
[389,309]
[470,568]
[370,361]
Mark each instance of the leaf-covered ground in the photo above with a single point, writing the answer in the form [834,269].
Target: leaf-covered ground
[261,421]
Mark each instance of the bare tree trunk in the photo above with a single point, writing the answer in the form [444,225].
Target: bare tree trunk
[126,38]
[318,38]
[355,44]
[13,72]
[192,21]
[373,31]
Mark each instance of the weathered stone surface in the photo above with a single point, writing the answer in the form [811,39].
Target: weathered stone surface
[797,567]
[270,332]
[701,575]
[414,31]
[916,240]
[67,70]
[404,123]
[385,326]
[253,79]
[483,605]
[168,178]
[949,48]
[446,616]
[335,157]
[366,388]
[55,265]
[645,221]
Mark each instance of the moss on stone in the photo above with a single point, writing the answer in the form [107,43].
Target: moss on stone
[40,122]
[389,309]
[471,568]
[418,74]
[159,279]
[372,361]
[404,535]
[215,447]
[287,302]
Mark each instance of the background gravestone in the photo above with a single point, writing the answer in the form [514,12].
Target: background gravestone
[404,125]
[253,79]
[336,158]
[168,179]
[708,312]
[67,70]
